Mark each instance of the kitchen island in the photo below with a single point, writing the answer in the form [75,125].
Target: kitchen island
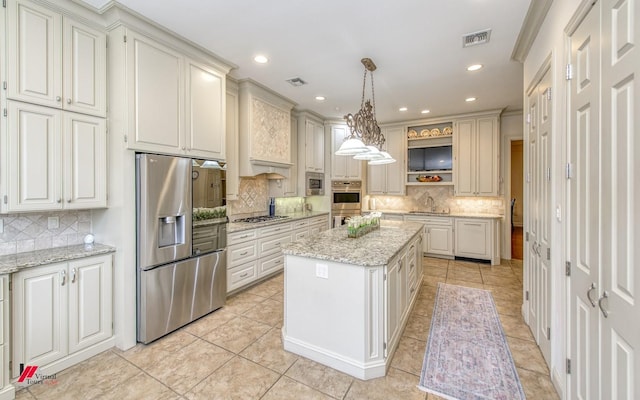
[347,300]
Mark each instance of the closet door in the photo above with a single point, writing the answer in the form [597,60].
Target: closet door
[584,203]
[620,204]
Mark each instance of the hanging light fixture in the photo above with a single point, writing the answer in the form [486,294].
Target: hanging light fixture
[366,140]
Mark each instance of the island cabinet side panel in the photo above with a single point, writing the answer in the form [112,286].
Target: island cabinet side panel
[334,314]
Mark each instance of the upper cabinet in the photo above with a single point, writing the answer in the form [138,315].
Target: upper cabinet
[389,179]
[476,144]
[265,131]
[343,167]
[310,142]
[176,104]
[53,60]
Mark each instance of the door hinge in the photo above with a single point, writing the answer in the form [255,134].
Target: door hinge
[549,173]
[548,253]
[10,286]
[528,177]
[568,366]
[567,267]
[125,38]
[4,112]
[384,277]
[526,236]
[125,138]
[549,94]
[569,171]
[526,295]
[5,199]
[4,85]
[384,346]
[569,72]
[4,4]
[549,333]
[528,118]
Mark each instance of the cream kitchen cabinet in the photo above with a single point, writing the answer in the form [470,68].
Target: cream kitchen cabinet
[477,238]
[60,310]
[176,104]
[390,179]
[53,160]
[54,60]
[7,391]
[438,234]
[310,142]
[343,167]
[476,144]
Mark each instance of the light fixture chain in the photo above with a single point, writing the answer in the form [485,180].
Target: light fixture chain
[364,85]
[373,97]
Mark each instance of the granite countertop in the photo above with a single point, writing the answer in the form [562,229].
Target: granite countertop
[428,214]
[243,226]
[373,249]
[15,262]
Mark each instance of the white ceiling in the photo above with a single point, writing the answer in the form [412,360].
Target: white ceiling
[416,44]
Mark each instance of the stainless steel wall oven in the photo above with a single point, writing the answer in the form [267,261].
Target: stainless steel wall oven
[346,198]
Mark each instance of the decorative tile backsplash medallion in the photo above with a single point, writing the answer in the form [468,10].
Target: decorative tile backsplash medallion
[37,231]
[270,132]
[253,197]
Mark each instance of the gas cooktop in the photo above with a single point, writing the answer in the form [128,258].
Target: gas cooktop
[262,218]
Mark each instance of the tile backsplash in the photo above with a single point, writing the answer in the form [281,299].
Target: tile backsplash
[253,197]
[37,231]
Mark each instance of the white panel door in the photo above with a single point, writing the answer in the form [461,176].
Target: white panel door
[532,260]
[85,161]
[620,210]
[156,92]
[34,54]
[584,195]
[33,158]
[90,298]
[464,158]
[205,104]
[84,66]
[40,316]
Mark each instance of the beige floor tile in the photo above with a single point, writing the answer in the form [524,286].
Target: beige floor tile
[237,334]
[464,274]
[465,283]
[288,389]
[209,322]
[267,288]
[512,294]
[278,296]
[409,355]
[417,326]
[424,307]
[457,264]
[237,379]
[537,386]
[395,385]
[268,352]
[433,280]
[501,281]
[435,262]
[190,365]
[319,377]
[515,327]
[24,394]
[527,355]
[268,312]
[435,271]
[147,355]
[88,380]
[514,310]
[141,386]
[242,302]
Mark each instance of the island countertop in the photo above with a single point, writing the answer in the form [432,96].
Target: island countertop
[373,249]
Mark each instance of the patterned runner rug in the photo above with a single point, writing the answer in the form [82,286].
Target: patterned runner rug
[467,354]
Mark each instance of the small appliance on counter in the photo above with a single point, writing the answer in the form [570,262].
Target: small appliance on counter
[181,272]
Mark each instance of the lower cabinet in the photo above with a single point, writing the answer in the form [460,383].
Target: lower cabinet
[438,234]
[7,391]
[477,238]
[60,310]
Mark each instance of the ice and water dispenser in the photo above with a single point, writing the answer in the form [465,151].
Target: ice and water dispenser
[171,230]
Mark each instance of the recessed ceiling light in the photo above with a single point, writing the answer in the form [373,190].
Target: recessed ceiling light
[320,98]
[474,67]
[260,59]
[402,109]
[425,111]
[470,99]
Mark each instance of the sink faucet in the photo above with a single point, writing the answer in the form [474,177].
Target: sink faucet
[431,204]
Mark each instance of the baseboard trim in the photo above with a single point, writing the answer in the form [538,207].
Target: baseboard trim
[558,383]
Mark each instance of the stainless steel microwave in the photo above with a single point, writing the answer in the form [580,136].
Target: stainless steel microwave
[314,184]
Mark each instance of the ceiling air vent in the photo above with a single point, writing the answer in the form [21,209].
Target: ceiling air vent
[296,81]
[475,38]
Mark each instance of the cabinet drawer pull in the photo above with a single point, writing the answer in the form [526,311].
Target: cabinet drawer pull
[63,274]
[69,201]
[59,201]
[73,275]
[68,101]
[467,224]
[244,253]
[243,236]
[276,230]
[278,261]
[244,275]
[58,98]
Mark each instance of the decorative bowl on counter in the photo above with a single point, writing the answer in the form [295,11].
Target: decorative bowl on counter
[428,178]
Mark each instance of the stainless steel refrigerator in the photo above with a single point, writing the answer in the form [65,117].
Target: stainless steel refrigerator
[175,286]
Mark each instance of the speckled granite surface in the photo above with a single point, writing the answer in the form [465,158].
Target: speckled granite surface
[375,248]
[15,262]
[243,226]
[450,215]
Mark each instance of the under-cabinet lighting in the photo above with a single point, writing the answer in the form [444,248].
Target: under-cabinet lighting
[470,99]
[474,67]
[402,109]
[425,111]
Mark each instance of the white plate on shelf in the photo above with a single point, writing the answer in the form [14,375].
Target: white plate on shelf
[412,134]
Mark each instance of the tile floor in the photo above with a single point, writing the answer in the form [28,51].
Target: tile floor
[236,352]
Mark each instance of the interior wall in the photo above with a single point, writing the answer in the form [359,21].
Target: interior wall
[517,175]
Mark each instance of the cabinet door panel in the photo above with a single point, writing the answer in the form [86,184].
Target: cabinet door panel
[156,92]
[85,161]
[318,148]
[84,67]
[473,239]
[40,316]
[396,172]
[34,48]
[33,160]
[205,111]
[440,240]
[487,158]
[464,162]
[90,313]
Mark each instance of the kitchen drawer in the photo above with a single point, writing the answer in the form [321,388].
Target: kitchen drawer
[272,244]
[299,234]
[273,229]
[322,219]
[301,223]
[241,236]
[240,253]
[241,275]
[270,264]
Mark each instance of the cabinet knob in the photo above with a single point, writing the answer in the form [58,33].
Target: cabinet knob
[68,101]
[59,201]
[69,201]
[63,275]
[73,275]
[58,98]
